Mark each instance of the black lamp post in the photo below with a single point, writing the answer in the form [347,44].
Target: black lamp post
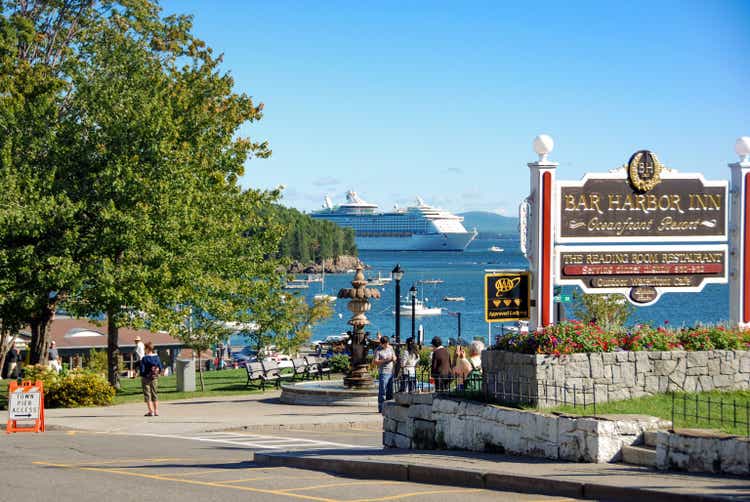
[413,296]
[397,275]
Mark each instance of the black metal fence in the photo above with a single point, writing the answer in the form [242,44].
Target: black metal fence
[498,389]
[694,410]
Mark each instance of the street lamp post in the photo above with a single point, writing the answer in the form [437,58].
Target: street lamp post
[397,273]
[413,296]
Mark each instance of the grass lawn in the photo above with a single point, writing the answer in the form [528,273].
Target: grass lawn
[723,409]
[229,382]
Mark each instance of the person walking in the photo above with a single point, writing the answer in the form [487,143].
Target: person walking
[140,349]
[409,360]
[54,357]
[150,369]
[12,358]
[384,358]
[440,365]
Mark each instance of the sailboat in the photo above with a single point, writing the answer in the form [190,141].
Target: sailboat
[323,297]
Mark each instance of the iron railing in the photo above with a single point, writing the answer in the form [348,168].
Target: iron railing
[707,412]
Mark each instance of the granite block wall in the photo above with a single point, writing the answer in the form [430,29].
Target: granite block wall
[614,376]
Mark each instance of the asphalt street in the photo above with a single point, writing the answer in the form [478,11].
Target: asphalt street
[90,466]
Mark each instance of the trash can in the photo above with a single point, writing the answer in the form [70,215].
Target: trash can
[185,375]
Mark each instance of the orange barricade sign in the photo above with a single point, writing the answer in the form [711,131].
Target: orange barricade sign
[25,404]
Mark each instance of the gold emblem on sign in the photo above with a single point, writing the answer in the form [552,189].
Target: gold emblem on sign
[644,170]
[505,284]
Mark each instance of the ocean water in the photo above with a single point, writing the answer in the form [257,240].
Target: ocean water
[463,275]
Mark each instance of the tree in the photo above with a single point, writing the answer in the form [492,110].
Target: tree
[610,311]
[288,322]
[37,267]
[154,154]
[200,332]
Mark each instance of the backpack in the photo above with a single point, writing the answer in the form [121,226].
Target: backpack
[155,372]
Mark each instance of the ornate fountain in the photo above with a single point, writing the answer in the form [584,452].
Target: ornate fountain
[359,303]
[356,389]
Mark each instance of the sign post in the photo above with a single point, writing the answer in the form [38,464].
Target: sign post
[739,277]
[25,404]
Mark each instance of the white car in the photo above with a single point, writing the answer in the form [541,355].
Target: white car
[282,360]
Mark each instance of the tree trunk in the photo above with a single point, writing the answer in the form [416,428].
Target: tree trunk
[5,339]
[200,372]
[113,349]
[40,338]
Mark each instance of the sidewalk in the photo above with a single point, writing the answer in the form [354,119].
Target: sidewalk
[254,412]
[522,474]
[264,413]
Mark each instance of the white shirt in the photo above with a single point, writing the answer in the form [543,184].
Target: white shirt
[140,350]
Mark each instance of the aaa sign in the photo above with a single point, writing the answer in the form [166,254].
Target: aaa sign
[506,296]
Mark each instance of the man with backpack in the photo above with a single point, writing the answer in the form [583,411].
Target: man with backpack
[150,369]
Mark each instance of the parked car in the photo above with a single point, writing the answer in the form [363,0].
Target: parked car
[283,360]
[244,356]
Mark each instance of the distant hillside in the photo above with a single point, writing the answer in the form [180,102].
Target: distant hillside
[490,223]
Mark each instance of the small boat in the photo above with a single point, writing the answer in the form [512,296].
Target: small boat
[380,281]
[453,299]
[496,249]
[420,309]
[324,298]
[297,285]
[431,281]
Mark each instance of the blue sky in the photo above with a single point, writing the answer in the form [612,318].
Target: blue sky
[443,99]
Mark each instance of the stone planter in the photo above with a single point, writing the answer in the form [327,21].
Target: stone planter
[611,376]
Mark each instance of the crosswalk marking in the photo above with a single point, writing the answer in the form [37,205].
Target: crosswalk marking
[259,441]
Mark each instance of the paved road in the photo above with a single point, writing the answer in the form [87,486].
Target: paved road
[86,466]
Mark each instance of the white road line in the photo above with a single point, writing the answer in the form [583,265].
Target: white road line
[261,442]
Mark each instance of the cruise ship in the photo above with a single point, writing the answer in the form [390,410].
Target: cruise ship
[417,228]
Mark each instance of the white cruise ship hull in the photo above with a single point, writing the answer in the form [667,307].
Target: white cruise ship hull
[417,242]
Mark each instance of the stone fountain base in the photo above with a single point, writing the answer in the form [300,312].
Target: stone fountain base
[331,392]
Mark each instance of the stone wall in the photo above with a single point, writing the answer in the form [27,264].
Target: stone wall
[614,376]
[424,421]
[703,451]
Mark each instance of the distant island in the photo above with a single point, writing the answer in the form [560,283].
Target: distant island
[314,246]
[490,224]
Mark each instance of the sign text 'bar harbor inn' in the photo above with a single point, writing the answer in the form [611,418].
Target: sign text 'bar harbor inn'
[639,230]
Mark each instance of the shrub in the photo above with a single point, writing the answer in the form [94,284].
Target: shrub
[80,388]
[76,388]
[96,361]
[339,363]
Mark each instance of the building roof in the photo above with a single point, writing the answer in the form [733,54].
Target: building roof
[70,333]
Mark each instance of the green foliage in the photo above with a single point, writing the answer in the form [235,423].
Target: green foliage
[310,240]
[610,311]
[76,388]
[286,320]
[96,362]
[339,363]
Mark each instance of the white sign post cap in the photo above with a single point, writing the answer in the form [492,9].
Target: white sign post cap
[742,147]
[543,145]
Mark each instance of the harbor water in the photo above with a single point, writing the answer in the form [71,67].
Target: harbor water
[461,275]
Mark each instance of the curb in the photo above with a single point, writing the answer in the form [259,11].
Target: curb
[477,479]
[315,427]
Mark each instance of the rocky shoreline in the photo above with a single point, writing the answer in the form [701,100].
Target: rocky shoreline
[338,265]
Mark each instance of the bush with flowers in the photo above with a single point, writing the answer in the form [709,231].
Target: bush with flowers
[71,389]
[574,336]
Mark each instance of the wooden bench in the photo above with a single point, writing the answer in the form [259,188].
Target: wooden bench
[257,372]
[273,371]
[321,365]
[300,367]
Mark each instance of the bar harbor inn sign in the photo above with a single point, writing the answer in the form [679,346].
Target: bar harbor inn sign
[646,203]
[640,230]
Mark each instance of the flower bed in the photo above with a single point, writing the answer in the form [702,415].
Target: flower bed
[575,337]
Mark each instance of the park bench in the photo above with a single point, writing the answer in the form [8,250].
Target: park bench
[258,373]
[321,366]
[300,367]
[273,371]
